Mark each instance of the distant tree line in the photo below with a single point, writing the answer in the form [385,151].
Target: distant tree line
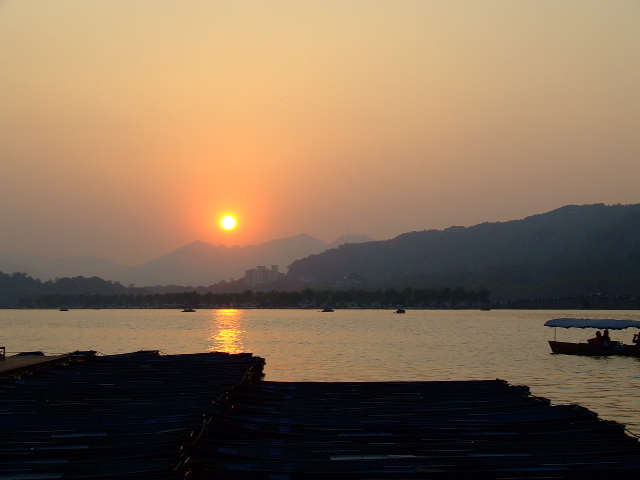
[17,290]
[307,298]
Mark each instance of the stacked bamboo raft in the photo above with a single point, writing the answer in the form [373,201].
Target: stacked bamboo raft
[209,416]
[406,430]
[112,417]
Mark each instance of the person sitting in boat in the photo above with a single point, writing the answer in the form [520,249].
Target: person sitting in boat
[606,340]
[597,341]
[636,338]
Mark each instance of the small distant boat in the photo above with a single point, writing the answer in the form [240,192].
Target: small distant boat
[64,309]
[400,310]
[589,349]
[188,310]
[327,309]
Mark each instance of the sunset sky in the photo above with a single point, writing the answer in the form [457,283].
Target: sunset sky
[129,128]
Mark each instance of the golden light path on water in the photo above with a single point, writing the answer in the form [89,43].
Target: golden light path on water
[226,331]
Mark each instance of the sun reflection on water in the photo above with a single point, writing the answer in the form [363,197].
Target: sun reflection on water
[225,331]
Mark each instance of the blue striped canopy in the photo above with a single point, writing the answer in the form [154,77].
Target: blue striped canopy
[604,324]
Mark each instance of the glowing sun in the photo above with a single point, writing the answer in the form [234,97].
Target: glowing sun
[228,222]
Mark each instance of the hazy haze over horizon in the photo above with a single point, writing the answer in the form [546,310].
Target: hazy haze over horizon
[129,127]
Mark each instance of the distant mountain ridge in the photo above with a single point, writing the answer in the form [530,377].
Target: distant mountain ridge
[572,249]
[196,264]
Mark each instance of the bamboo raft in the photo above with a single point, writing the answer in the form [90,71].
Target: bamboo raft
[211,416]
[406,430]
[119,417]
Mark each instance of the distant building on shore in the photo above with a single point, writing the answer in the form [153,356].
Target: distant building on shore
[261,274]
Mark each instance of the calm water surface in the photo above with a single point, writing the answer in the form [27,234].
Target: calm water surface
[360,345]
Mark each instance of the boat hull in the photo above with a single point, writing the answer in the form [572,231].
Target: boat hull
[568,348]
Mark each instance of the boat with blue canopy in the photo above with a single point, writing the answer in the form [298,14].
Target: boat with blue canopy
[589,348]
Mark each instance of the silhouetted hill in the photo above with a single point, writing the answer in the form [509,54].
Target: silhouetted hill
[201,263]
[571,250]
[574,250]
[195,264]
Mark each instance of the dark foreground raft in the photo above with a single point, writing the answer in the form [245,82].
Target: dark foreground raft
[406,430]
[212,416]
[119,417]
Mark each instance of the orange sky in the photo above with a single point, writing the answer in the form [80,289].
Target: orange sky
[128,128]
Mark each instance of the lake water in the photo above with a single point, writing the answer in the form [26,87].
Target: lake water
[361,345]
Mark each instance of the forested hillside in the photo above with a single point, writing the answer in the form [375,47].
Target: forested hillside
[570,251]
